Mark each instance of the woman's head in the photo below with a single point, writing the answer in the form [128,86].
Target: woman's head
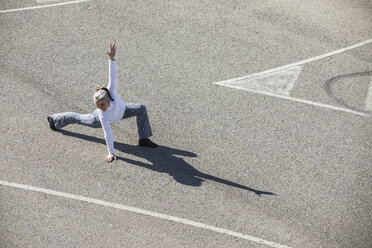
[102,98]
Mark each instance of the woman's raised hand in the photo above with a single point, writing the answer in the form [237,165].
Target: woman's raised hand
[112,51]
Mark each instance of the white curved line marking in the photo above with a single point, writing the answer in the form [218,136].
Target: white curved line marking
[231,83]
[284,67]
[369,98]
[322,105]
[42,6]
[143,212]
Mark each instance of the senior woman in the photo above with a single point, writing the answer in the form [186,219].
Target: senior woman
[110,109]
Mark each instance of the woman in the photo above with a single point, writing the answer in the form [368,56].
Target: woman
[110,109]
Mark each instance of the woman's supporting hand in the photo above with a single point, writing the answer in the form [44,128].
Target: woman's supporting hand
[110,158]
[112,51]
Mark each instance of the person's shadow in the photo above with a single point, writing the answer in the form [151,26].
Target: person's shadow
[164,160]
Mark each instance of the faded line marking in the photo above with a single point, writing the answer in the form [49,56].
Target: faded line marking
[369,98]
[143,212]
[231,83]
[42,6]
[284,67]
[280,82]
[296,100]
[46,1]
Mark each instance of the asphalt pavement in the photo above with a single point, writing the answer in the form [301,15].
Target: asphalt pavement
[290,173]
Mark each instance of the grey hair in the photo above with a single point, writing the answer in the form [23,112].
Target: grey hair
[101,95]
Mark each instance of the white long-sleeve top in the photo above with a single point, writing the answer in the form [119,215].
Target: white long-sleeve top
[115,111]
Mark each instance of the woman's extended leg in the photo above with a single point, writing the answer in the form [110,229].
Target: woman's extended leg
[62,119]
[143,123]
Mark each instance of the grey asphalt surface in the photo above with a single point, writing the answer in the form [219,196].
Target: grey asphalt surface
[283,171]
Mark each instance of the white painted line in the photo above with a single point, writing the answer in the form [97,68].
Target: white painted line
[46,1]
[234,82]
[43,6]
[284,67]
[369,98]
[280,82]
[143,212]
[296,100]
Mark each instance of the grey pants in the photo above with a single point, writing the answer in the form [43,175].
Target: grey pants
[92,120]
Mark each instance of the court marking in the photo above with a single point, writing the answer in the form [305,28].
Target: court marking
[322,105]
[369,97]
[143,212]
[230,82]
[301,62]
[43,6]
[46,1]
[280,82]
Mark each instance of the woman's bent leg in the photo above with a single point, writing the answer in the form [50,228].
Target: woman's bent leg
[143,123]
[63,119]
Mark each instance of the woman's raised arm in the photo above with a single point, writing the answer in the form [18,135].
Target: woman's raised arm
[112,86]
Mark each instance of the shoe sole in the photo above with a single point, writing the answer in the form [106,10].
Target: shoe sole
[51,123]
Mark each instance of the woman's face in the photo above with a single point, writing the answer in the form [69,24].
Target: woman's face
[102,104]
